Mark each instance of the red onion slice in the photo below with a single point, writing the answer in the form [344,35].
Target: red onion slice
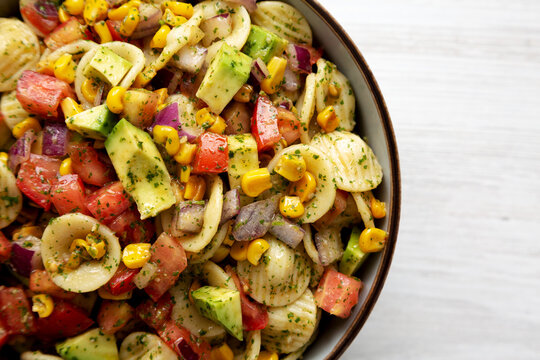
[259,70]
[26,255]
[55,139]
[188,217]
[20,151]
[291,80]
[254,219]
[299,58]
[169,117]
[216,28]
[231,205]
[149,24]
[286,231]
[190,58]
[328,246]
[250,5]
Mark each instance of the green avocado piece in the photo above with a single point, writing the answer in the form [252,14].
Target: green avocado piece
[263,44]
[222,306]
[91,345]
[228,71]
[352,257]
[95,123]
[140,168]
[107,66]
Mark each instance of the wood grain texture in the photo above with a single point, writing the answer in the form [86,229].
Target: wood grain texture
[462,82]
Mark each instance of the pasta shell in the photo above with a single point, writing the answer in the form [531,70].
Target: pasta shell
[145,346]
[12,110]
[284,20]
[10,197]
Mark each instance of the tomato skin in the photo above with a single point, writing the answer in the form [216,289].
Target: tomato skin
[155,314]
[289,127]
[4,334]
[108,202]
[340,204]
[114,27]
[212,154]
[36,177]
[264,124]
[66,33]
[68,195]
[170,258]
[41,282]
[41,94]
[187,345]
[337,293]
[114,315]
[44,21]
[5,248]
[122,280]
[86,163]
[130,229]
[15,311]
[66,320]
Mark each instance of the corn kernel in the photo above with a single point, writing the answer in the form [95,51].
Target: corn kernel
[144,77]
[195,188]
[205,118]
[244,94]
[120,12]
[276,69]
[328,119]
[378,208]
[104,294]
[179,8]
[223,352]
[74,7]
[266,355]
[186,153]
[63,15]
[291,166]
[70,107]
[333,90]
[372,240]
[66,167]
[220,254]
[160,37]
[42,304]
[130,22]
[219,125]
[103,31]
[45,67]
[115,99]
[167,136]
[94,11]
[30,123]
[25,231]
[96,246]
[78,251]
[172,20]
[256,249]
[64,68]
[185,171]
[135,256]
[291,207]
[239,250]
[4,157]
[162,94]
[89,90]
[255,182]
[229,239]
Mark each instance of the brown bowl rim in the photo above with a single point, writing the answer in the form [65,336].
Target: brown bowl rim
[395,201]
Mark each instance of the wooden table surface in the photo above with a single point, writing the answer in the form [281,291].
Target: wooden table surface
[462,82]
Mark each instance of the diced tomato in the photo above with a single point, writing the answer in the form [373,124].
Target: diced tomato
[4,335]
[254,315]
[114,29]
[140,105]
[5,248]
[129,227]
[187,345]
[155,313]
[65,320]
[171,260]
[68,195]
[66,33]
[108,202]
[289,125]
[340,204]
[114,315]
[122,280]
[41,94]
[264,124]
[86,163]
[15,311]
[41,282]
[41,14]
[36,177]
[337,293]
[212,154]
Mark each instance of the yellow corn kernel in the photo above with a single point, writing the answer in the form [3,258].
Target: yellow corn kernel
[160,37]
[94,11]
[167,136]
[220,254]
[172,20]
[120,12]
[255,182]
[184,172]
[239,250]
[219,125]
[256,249]
[144,77]
[45,67]
[102,30]
[333,90]
[96,246]
[135,256]
[74,7]
[78,251]
[42,304]
[195,188]
[115,99]
[162,94]
[378,208]
[130,22]
[104,294]
[372,240]
[179,8]
[64,68]
[186,153]
[30,123]
[89,90]
[63,15]
[266,355]
[223,352]
[4,157]
[70,107]
[292,167]
[244,94]
[276,69]
[24,231]
[328,119]
[66,167]
[291,207]
[205,118]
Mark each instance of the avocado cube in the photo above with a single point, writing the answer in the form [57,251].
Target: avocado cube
[352,257]
[140,168]
[263,44]
[221,306]
[228,71]
[107,66]
[91,345]
[95,123]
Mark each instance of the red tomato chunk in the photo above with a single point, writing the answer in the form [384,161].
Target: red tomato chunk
[264,124]
[129,227]
[337,293]
[86,163]
[155,314]
[36,177]
[212,154]
[187,345]
[41,282]
[5,248]
[42,15]
[65,320]
[15,311]
[68,195]
[108,202]
[66,33]
[122,280]
[114,315]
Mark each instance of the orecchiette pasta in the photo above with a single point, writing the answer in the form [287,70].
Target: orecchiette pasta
[306,107]
[209,250]
[10,197]
[145,346]
[12,110]
[283,20]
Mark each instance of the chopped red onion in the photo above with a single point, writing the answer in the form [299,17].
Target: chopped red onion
[329,246]
[169,117]
[231,205]
[99,94]
[286,231]
[299,58]
[190,58]
[285,105]
[254,219]
[188,217]
[238,118]
[46,9]
[20,151]
[216,28]
[291,80]
[55,139]
[149,24]
[259,70]
[26,255]
[183,348]
[173,84]
[250,5]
